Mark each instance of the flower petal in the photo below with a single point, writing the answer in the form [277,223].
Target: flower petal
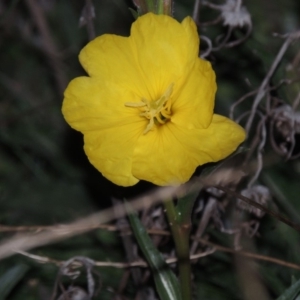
[164,50]
[160,53]
[109,57]
[111,130]
[171,154]
[92,104]
[111,152]
[195,98]
[223,136]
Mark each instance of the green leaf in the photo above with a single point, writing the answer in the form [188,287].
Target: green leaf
[9,279]
[291,293]
[134,13]
[185,205]
[166,283]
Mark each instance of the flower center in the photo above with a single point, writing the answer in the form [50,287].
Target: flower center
[157,111]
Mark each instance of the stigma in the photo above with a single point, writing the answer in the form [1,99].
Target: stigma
[158,112]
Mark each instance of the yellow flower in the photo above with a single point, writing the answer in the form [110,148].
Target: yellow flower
[146,108]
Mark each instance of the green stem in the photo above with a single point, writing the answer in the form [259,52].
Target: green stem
[180,228]
[164,7]
[150,5]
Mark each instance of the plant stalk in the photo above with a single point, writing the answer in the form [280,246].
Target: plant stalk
[180,228]
[165,7]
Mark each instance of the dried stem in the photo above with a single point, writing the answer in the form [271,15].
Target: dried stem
[214,247]
[262,133]
[89,14]
[196,10]
[49,46]
[261,207]
[53,234]
[262,89]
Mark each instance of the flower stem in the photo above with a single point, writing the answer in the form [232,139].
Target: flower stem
[180,228]
[165,7]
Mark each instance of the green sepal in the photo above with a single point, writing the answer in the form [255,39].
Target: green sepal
[165,281]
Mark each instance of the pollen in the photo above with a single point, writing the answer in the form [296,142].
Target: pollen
[158,112]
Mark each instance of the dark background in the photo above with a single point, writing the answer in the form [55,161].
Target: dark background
[45,178]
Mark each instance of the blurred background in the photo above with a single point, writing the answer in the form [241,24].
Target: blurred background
[45,178]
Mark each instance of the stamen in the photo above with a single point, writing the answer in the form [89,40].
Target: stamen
[135,104]
[157,112]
